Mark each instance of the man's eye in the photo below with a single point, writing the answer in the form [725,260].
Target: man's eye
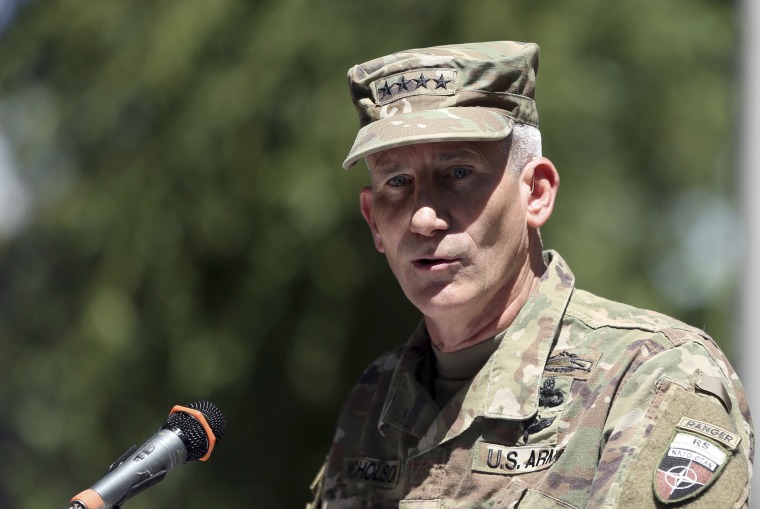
[460,173]
[398,181]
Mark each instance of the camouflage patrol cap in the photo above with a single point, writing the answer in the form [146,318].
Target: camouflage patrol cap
[458,92]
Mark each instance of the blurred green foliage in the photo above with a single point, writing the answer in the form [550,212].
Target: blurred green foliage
[189,233]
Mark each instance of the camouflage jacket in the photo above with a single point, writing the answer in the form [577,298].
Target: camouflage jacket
[585,403]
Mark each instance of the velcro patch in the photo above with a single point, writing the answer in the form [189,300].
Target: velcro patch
[382,473]
[688,466]
[499,459]
[713,385]
[725,437]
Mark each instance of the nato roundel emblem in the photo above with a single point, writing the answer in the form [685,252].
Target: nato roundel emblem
[688,466]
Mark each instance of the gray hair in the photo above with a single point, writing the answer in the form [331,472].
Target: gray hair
[523,145]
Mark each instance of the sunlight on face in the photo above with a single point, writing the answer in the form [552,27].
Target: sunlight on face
[451,221]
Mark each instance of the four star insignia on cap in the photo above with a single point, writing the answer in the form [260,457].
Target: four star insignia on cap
[386,91]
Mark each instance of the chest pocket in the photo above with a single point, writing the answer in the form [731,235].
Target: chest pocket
[514,496]
[516,449]
[518,495]
[533,499]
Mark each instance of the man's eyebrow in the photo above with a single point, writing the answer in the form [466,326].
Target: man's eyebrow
[457,154]
[381,169]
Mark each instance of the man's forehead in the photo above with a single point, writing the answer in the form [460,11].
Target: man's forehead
[435,151]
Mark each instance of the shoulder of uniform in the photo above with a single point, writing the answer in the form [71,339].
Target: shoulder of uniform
[597,312]
[652,345]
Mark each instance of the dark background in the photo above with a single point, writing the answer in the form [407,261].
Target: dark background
[175,224]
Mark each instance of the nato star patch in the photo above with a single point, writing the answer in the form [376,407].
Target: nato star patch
[688,466]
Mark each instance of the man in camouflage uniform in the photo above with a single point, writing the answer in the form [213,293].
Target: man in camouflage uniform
[517,389]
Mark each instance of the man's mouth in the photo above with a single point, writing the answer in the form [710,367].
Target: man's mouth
[433,263]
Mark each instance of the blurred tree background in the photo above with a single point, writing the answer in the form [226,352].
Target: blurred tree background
[175,225]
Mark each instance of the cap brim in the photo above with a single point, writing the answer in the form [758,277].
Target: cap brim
[464,123]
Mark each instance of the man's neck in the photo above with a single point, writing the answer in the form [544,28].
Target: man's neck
[455,331]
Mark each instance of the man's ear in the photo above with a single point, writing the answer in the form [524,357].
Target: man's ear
[540,181]
[366,203]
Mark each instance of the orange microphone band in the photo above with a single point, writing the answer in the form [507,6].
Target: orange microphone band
[210,437]
[88,499]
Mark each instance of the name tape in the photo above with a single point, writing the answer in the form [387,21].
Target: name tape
[383,473]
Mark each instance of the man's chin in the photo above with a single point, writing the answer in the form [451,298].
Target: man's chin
[434,302]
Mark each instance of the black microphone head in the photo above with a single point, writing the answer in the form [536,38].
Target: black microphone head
[192,432]
[213,416]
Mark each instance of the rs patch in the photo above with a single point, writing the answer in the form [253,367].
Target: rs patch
[689,465]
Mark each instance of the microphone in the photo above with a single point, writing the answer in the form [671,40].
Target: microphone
[189,434]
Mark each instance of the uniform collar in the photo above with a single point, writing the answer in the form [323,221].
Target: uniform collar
[507,387]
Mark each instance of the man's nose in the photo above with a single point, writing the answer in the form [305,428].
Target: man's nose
[426,221]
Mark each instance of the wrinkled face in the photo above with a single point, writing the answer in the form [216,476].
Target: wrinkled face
[451,220]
